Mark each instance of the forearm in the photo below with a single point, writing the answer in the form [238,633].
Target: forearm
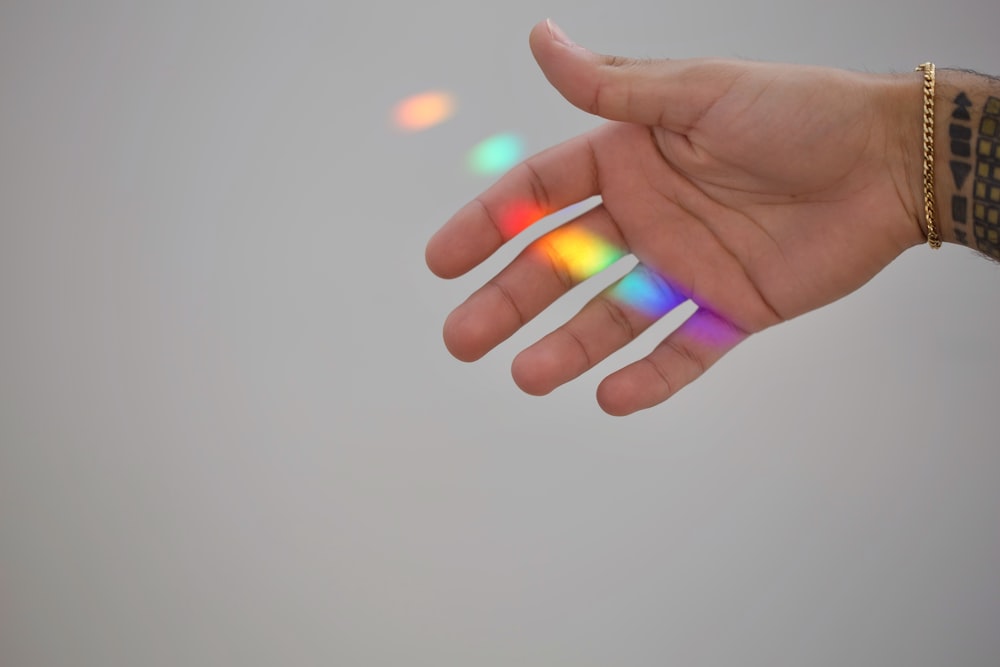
[967,160]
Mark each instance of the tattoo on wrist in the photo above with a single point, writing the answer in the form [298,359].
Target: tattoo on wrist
[960,134]
[986,188]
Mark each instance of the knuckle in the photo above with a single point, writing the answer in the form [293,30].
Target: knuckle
[508,298]
[661,372]
[539,190]
[687,354]
[557,263]
[618,316]
[599,99]
[490,215]
[579,341]
[617,61]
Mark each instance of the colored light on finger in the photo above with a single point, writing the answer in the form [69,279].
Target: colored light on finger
[712,331]
[581,253]
[517,216]
[646,292]
[423,111]
[495,155]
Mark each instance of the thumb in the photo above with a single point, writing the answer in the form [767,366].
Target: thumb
[669,93]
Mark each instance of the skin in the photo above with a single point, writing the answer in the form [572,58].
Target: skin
[758,191]
[976,92]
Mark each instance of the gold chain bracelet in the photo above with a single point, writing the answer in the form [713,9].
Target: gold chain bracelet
[933,239]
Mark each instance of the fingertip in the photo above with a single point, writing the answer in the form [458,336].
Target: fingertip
[646,92]
[460,244]
[612,410]
[574,71]
[540,30]
[532,372]
[538,38]
[466,338]
[540,35]
[548,31]
[548,42]
[437,258]
[430,258]
[557,34]
[618,397]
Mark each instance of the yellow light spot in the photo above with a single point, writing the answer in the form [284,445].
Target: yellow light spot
[993,106]
[423,111]
[983,170]
[581,253]
[981,190]
[984,147]
[980,211]
[993,216]
[995,194]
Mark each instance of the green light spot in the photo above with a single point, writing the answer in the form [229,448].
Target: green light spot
[496,154]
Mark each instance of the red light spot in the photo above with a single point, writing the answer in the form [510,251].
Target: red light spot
[515,217]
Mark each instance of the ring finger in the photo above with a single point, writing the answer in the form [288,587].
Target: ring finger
[608,322]
[548,268]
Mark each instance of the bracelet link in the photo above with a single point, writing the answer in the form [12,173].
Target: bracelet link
[930,204]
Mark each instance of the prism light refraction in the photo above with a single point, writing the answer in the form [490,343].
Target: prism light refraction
[582,253]
[646,292]
[423,111]
[516,216]
[495,155]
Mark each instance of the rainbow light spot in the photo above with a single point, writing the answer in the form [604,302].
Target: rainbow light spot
[646,292]
[495,155]
[420,112]
[582,253]
[709,329]
[517,216]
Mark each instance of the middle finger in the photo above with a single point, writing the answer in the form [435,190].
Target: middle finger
[548,268]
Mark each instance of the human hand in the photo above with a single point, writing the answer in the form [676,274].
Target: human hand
[757,191]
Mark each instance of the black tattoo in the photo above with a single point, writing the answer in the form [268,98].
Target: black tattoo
[986,188]
[960,171]
[959,209]
[962,104]
[960,133]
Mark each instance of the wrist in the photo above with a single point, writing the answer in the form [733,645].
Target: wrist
[903,107]
[966,160]
[958,105]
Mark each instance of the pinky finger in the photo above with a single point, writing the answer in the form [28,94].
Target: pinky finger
[681,358]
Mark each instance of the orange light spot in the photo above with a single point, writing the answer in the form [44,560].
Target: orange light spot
[424,111]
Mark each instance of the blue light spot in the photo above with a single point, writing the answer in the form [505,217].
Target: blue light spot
[646,292]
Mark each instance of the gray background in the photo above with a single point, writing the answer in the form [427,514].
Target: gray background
[230,434]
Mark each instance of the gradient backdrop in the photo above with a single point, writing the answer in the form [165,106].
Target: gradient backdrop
[230,433]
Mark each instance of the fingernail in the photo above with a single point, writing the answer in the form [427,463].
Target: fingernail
[557,33]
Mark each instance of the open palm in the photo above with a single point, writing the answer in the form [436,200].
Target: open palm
[757,191]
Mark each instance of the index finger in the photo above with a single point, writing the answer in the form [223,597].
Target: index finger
[544,183]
